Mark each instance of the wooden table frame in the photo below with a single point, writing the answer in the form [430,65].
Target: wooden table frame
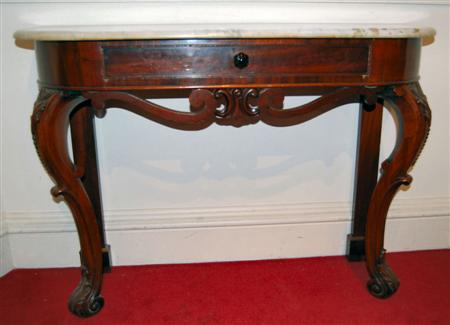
[228,82]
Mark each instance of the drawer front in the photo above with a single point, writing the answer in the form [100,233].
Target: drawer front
[200,59]
[211,63]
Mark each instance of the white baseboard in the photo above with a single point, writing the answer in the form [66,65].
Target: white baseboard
[6,262]
[48,239]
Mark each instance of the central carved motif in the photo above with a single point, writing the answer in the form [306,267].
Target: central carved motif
[236,107]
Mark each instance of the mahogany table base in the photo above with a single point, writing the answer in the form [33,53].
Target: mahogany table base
[225,99]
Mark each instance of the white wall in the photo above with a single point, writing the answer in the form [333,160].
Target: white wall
[221,193]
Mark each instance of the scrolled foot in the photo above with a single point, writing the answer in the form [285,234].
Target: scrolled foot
[384,283]
[85,301]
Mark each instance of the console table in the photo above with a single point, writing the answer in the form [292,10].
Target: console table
[233,75]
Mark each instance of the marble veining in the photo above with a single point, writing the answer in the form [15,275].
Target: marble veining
[183,31]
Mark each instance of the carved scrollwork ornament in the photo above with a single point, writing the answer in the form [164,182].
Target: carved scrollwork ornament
[384,282]
[228,102]
[237,107]
[249,96]
[85,300]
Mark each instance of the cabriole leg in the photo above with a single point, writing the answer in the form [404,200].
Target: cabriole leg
[49,124]
[413,117]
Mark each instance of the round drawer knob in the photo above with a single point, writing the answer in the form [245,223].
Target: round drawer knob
[241,60]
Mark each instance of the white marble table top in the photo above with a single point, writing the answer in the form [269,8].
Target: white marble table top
[183,31]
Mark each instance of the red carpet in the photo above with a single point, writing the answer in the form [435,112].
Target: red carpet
[309,291]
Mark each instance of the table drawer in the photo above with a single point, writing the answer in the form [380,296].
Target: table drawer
[233,59]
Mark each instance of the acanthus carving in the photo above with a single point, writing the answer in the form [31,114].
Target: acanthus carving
[422,101]
[46,95]
[425,113]
[40,105]
[384,282]
[411,94]
[85,300]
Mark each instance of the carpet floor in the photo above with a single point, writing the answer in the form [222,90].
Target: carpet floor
[326,290]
